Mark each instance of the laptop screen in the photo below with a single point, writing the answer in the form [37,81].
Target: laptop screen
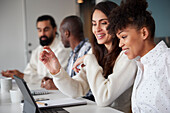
[28,99]
[30,105]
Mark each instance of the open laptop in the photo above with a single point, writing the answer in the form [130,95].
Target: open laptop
[30,105]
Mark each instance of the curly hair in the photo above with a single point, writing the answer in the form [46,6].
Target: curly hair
[105,59]
[133,13]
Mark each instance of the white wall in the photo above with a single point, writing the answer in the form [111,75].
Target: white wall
[18,27]
[11,35]
[34,8]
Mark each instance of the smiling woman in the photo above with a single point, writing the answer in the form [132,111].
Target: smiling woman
[107,72]
[99,28]
[130,40]
[135,27]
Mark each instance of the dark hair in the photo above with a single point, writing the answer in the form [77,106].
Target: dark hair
[47,17]
[131,12]
[74,25]
[105,59]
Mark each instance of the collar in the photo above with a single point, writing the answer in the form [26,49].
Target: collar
[153,54]
[78,47]
[55,42]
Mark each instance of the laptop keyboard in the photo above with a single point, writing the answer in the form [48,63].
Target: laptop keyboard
[53,110]
[39,92]
[49,111]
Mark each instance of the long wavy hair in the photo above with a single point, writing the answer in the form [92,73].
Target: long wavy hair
[105,59]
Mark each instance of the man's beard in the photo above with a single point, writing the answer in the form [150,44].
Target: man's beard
[47,41]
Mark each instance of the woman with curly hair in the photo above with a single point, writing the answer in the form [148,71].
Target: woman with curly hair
[135,27]
[107,72]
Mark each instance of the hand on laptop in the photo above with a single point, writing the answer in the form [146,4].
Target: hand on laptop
[48,84]
[11,73]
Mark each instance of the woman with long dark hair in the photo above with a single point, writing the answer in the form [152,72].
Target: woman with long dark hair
[107,72]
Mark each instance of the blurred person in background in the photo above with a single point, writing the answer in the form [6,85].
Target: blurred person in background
[35,71]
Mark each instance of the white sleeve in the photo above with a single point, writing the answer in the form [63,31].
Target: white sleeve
[107,90]
[30,72]
[167,66]
[72,87]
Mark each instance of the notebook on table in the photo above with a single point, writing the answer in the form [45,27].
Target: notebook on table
[30,106]
[62,102]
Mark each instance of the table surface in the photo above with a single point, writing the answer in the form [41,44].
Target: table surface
[7,107]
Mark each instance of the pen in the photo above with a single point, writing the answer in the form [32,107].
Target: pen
[41,99]
[42,103]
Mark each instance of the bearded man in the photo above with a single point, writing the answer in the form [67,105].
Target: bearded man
[35,71]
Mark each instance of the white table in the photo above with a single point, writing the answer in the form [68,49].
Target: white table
[7,107]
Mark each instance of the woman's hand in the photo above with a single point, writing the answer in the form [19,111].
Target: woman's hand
[78,62]
[49,59]
[48,84]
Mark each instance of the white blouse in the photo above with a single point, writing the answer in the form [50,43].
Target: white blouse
[151,91]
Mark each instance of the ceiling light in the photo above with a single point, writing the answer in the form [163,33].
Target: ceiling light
[79,1]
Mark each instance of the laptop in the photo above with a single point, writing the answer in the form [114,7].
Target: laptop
[30,106]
